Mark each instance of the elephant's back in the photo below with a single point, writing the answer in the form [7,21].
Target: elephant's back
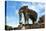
[32,12]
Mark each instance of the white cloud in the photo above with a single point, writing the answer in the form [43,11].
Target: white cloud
[17,12]
[13,25]
[11,21]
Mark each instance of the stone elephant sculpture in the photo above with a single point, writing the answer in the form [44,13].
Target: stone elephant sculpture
[28,13]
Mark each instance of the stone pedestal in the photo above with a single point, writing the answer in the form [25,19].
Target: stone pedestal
[25,26]
[30,26]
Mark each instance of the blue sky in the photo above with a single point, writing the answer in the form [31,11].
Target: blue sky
[14,6]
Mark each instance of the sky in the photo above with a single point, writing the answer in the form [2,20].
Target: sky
[13,7]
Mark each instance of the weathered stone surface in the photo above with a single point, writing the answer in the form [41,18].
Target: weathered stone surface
[31,26]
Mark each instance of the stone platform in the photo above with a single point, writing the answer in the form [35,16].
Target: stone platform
[31,26]
[26,26]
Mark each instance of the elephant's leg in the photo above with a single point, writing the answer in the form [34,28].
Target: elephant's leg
[25,18]
[33,21]
[20,16]
[32,18]
[27,21]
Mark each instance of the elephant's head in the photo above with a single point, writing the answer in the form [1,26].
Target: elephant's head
[23,8]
